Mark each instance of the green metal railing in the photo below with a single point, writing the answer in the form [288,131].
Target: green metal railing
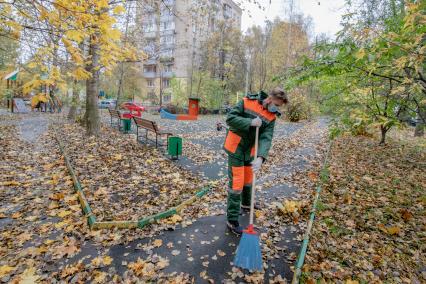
[91,219]
[304,248]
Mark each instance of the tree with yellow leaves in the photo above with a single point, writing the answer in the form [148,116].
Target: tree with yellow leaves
[79,36]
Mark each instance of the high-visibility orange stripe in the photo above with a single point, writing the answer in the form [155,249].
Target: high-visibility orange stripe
[252,152]
[254,107]
[232,141]
[248,175]
[237,178]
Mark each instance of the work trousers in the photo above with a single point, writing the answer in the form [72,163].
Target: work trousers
[240,176]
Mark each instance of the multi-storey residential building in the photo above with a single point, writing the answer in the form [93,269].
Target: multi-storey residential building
[173,32]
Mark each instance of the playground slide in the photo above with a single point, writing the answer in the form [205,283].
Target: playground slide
[167,115]
[19,106]
[192,115]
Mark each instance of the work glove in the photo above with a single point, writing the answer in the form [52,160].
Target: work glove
[257,164]
[256,122]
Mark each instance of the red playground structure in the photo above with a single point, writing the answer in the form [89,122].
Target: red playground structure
[133,109]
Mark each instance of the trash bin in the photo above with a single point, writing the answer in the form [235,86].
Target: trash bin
[127,125]
[174,147]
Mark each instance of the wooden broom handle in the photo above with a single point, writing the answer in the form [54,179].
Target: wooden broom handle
[253,187]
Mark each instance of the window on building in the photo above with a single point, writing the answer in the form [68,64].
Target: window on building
[168,53]
[149,68]
[166,83]
[227,11]
[167,39]
[152,96]
[167,25]
[150,83]
[148,27]
[167,98]
[168,68]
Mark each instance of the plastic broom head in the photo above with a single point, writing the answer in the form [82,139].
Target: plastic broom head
[249,255]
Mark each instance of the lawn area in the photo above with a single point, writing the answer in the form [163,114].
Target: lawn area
[371,221]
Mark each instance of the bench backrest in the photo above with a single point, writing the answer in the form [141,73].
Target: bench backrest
[145,123]
[114,113]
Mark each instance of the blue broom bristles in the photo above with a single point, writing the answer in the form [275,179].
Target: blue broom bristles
[249,255]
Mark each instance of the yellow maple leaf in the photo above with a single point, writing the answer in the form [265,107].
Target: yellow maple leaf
[74,35]
[157,243]
[5,269]
[100,277]
[174,219]
[119,9]
[29,276]
[107,260]
[10,183]
[394,230]
[118,157]
[64,213]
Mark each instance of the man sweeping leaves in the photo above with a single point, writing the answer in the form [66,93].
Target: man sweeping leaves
[255,110]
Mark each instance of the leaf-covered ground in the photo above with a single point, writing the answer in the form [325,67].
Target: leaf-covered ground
[45,237]
[123,179]
[371,223]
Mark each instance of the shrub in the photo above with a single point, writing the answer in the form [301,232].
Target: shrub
[299,107]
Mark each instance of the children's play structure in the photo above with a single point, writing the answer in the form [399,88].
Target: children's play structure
[45,100]
[14,98]
[193,109]
[132,110]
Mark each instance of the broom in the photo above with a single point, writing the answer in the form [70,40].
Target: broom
[248,254]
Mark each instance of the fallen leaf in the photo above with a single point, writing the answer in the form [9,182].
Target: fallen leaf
[157,243]
[5,269]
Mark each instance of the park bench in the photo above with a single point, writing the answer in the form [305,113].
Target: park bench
[150,126]
[116,117]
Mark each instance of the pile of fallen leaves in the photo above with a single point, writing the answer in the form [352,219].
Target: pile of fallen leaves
[371,223]
[123,179]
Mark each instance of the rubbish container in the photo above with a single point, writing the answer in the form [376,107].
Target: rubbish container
[127,125]
[174,147]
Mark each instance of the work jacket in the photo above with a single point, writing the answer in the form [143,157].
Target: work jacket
[240,136]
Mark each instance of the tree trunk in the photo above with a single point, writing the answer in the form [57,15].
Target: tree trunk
[120,85]
[420,130]
[74,102]
[383,131]
[420,117]
[92,89]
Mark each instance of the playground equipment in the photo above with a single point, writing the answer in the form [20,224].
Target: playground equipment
[193,109]
[13,95]
[133,109]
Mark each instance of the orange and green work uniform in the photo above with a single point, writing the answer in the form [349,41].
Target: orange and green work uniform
[239,144]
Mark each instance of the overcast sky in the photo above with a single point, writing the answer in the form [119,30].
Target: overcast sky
[326,14]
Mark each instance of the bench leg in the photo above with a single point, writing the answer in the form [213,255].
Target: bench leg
[137,133]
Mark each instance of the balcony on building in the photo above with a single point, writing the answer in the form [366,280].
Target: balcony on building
[166,59]
[149,71]
[150,61]
[167,74]
[149,75]
[150,34]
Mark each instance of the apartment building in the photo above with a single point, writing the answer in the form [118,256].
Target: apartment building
[173,32]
